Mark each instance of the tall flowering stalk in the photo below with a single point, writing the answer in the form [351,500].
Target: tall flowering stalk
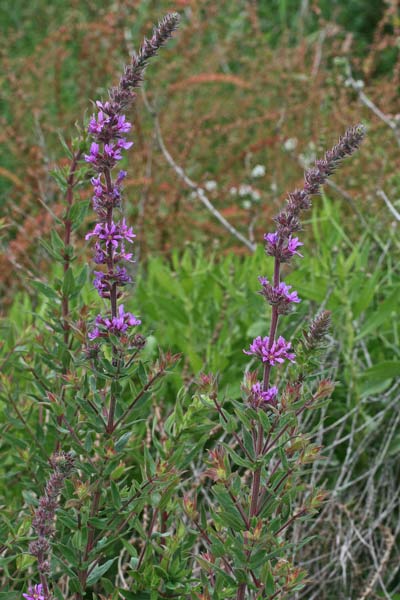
[113,238]
[62,464]
[282,245]
[248,555]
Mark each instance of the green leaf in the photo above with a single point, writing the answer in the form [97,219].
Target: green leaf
[122,441]
[375,379]
[383,313]
[56,241]
[229,515]
[78,212]
[99,571]
[45,289]
[69,283]
[67,150]
[387,369]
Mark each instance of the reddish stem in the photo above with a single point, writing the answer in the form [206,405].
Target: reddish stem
[255,488]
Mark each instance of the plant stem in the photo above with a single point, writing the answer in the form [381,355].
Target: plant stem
[255,488]
[69,197]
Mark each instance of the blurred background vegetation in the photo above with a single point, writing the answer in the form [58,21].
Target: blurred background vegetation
[246,83]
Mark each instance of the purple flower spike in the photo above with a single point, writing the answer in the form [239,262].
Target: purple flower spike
[108,127]
[35,593]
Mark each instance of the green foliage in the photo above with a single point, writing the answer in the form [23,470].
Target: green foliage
[201,306]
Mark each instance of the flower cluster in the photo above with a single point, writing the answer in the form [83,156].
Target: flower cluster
[108,127]
[272,353]
[283,249]
[279,296]
[264,398]
[35,593]
[116,325]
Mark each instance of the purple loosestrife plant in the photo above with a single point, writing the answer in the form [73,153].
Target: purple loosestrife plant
[91,377]
[248,552]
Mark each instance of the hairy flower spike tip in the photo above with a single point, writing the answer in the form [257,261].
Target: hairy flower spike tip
[318,330]
[122,95]
[288,219]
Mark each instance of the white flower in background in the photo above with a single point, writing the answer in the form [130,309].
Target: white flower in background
[255,194]
[246,204]
[290,144]
[210,185]
[245,190]
[258,171]
[233,191]
[274,187]
[356,84]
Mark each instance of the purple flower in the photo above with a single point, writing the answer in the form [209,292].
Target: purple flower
[101,284]
[110,234]
[256,347]
[105,106]
[122,143]
[282,248]
[259,396]
[96,126]
[271,238]
[123,126]
[277,353]
[126,232]
[115,325]
[112,152]
[121,176]
[94,153]
[279,296]
[121,276]
[122,255]
[100,256]
[97,186]
[106,126]
[292,244]
[35,593]
[283,289]
[95,333]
